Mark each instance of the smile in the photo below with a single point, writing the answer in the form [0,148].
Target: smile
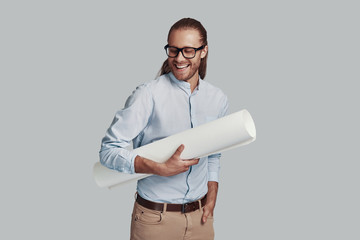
[182,66]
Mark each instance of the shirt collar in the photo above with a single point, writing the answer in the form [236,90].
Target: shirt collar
[184,85]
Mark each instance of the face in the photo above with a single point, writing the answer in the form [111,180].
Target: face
[186,69]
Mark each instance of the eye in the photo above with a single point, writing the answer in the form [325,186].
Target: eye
[172,50]
[189,51]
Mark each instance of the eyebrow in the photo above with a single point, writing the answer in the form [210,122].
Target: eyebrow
[182,47]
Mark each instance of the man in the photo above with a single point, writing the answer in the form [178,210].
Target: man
[178,201]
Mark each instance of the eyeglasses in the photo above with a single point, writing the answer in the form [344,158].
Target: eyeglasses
[187,52]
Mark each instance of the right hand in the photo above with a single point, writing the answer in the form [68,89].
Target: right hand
[175,165]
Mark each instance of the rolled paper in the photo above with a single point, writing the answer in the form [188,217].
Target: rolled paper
[232,131]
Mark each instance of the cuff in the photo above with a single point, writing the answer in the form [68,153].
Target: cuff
[213,176]
[132,163]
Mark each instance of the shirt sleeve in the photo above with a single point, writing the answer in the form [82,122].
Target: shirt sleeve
[214,159]
[127,124]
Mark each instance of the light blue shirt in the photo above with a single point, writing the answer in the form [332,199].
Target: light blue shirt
[155,110]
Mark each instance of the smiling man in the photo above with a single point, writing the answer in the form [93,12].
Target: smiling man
[178,201]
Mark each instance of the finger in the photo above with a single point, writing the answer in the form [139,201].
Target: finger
[205,216]
[191,159]
[179,150]
[191,162]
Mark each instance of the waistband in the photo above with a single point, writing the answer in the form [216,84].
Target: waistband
[183,208]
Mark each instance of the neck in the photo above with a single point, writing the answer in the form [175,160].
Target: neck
[194,81]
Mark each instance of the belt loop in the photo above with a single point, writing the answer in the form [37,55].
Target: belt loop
[200,206]
[164,208]
[200,203]
[135,195]
[183,208]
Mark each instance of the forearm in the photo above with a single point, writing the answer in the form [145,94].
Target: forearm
[144,165]
[210,200]
[212,193]
[174,165]
[119,159]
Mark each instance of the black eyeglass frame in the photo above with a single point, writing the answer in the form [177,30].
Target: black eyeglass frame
[181,50]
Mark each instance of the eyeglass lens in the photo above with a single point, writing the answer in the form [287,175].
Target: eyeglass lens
[187,52]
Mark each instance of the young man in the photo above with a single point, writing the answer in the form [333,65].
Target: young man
[178,201]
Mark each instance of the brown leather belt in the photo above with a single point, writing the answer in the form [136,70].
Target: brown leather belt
[184,208]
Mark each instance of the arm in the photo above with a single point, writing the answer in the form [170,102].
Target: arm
[174,165]
[210,200]
[213,171]
[128,123]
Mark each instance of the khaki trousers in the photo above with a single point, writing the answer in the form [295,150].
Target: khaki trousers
[147,224]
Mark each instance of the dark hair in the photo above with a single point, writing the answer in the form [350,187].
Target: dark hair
[187,23]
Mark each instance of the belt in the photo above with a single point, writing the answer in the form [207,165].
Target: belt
[184,208]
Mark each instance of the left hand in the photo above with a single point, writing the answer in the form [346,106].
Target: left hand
[209,206]
[208,210]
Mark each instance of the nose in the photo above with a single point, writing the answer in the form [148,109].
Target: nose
[180,57]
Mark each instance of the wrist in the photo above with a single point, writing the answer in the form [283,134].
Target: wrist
[210,200]
[144,165]
[158,168]
[212,193]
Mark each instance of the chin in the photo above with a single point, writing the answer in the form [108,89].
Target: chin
[183,77]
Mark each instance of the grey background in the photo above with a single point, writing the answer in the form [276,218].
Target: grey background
[68,66]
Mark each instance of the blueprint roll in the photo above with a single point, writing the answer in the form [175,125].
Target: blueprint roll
[231,131]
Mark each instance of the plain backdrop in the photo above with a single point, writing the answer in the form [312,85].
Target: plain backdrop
[67,67]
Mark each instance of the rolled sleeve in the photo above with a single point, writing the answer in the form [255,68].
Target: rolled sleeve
[214,167]
[214,159]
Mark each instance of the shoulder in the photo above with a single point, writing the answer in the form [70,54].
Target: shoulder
[147,90]
[157,84]
[216,97]
[212,90]
[152,85]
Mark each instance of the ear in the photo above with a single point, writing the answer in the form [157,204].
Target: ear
[204,52]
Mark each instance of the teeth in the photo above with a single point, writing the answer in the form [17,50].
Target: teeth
[181,66]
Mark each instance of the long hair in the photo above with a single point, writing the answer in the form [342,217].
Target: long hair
[187,23]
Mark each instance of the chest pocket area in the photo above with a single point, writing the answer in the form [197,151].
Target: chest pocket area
[204,119]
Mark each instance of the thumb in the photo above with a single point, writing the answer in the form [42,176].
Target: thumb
[205,215]
[179,149]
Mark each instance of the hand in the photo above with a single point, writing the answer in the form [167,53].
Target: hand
[175,165]
[208,210]
[209,206]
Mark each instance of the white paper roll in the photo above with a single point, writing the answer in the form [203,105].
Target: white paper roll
[220,135]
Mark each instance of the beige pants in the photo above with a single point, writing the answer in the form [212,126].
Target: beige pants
[149,224]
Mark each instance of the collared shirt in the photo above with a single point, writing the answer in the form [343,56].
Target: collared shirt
[155,110]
